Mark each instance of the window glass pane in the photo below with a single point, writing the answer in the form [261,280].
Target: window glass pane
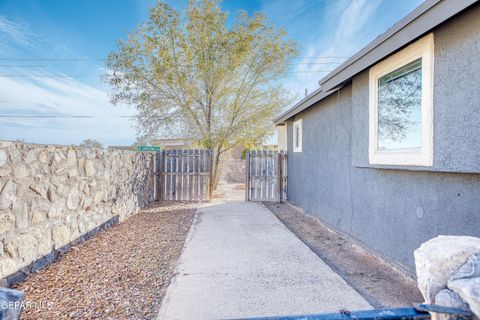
[400,108]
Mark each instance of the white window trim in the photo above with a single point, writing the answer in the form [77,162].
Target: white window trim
[423,48]
[296,124]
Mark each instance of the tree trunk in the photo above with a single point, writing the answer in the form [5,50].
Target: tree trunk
[214,169]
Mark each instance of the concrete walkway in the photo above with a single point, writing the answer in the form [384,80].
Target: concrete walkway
[241,261]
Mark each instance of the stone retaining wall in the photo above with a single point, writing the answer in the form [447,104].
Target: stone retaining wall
[52,195]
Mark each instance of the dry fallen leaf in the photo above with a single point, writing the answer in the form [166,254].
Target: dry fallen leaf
[120,273]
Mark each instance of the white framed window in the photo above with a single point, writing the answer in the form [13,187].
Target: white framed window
[297,136]
[401,107]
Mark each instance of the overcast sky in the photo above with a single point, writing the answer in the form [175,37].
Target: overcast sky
[51,57]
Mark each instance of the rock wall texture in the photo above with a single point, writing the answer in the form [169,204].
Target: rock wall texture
[52,195]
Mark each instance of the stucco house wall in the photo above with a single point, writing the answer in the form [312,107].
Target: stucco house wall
[393,210]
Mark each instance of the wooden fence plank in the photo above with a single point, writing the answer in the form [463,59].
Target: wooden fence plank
[262,173]
[279,177]
[256,162]
[190,177]
[202,180]
[160,176]
[200,177]
[208,165]
[266,176]
[173,160]
[169,177]
[183,175]
[195,169]
[247,176]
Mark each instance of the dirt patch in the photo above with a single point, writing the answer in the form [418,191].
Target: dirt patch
[378,282]
[229,191]
[121,273]
[240,186]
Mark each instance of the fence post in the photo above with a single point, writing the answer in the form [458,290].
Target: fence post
[155,179]
[160,175]
[285,175]
[247,178]
[279,177]
[209,165]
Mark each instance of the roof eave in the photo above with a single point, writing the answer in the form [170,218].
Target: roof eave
[420,21]
[423,19]
[303,104]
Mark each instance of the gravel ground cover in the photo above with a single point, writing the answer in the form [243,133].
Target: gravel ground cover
[377,281]
[121,273]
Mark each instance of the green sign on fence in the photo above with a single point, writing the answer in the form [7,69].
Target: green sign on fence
[148,148]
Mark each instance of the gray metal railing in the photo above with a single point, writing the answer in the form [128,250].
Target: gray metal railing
[420,311]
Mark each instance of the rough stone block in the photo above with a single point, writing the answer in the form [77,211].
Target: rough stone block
[89,168]
[3,157]
[44,241]
[10,250]
[39,189]
[20,171]
[27,247]
[62,190]
[73,199]
[72,172]
[60,235]
[466,282]
[437,258]
[7,266]
[98,197]
[86,202]
[21,216]
[59,156]
[7,195]
[451,299]
[31,156]
[56,210]
[82,226]
[51,194]
[43,156]
[86,190]
[15,155]
[71,157]
[469,290]
[61,170]
[40,204]
[7,222]
[470,269]
[37,217]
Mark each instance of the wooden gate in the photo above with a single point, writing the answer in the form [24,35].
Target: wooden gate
[266,176]
[184,175]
